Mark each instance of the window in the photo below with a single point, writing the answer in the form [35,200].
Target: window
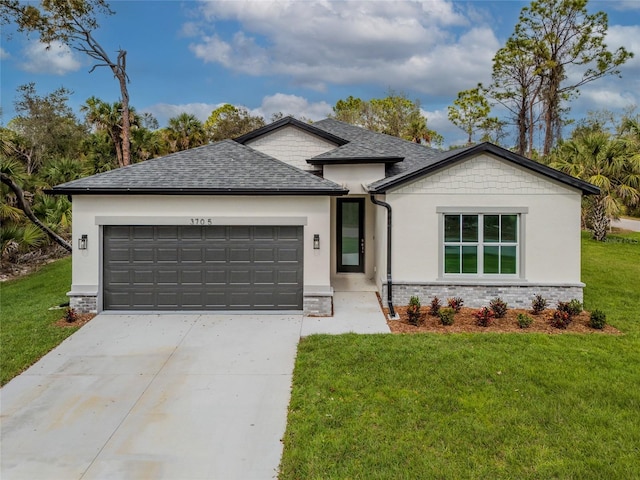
[481,244]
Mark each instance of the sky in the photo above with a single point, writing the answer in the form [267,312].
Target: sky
[300,57]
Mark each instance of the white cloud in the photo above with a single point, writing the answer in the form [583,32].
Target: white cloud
[56,59]
[626,5]
[292,105]
[4,54]
[401,44]
[164,111]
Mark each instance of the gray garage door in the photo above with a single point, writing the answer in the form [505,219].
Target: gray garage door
[202,268]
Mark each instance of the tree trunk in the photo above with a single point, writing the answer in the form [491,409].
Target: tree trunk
[24,206]
[599,219]
[522,128]
[119,70]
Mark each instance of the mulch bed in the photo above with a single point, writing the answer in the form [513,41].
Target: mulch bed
[465,322]
[81,319]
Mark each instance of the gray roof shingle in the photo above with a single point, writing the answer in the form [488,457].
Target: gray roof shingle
[225,167]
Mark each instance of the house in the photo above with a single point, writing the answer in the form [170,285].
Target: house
[274,219]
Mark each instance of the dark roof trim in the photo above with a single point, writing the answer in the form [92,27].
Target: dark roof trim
[353,160]
[587,188]
[198,191]
[293,122]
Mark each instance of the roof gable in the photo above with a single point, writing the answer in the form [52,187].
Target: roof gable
[452,157]
[290,121]
[222,168]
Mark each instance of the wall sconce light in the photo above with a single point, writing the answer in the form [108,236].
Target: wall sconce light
[82,242]
[316,242]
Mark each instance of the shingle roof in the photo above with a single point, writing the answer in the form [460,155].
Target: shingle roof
[419,160]
[225,167]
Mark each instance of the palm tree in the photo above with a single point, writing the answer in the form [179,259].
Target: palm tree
[107,117]
[186,131]
[604,162]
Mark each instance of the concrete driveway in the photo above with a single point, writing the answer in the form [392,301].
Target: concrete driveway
[154,396]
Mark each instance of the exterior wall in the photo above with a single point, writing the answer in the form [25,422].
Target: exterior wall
[292,145]
[549,231]
[353,177]
[91,212]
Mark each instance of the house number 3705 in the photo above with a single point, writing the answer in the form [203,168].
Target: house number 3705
[201,221]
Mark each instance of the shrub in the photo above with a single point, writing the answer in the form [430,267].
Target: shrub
[575,307]
[498,307]
[413,311]
[484,316]
[561,318]
[446,315]
[434,308]
[538,304]
[524,321]
[70,315]
[597,319]
[455,303]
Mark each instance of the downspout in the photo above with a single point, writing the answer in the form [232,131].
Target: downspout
[392,312]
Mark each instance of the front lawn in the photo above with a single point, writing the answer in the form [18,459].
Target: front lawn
[27,330]
[477,405]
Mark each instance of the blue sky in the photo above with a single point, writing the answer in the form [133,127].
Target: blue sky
[300,57]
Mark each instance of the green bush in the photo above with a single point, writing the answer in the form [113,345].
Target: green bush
[435,306]
[499,307]
[455,303]
[598,319]
[538,304]
[70,315]
[572,308]
[413,311]
[447,315]
[524,321]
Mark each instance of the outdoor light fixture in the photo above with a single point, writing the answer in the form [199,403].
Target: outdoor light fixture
[82,242]
[316,242]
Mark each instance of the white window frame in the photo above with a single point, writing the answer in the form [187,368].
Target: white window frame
[480,212]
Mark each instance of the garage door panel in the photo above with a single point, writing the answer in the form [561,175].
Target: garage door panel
[239,255]
[288,254]
[191,255]
[202,268]
[264,255]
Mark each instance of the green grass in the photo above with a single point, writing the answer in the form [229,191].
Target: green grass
[477,405]
[27,329]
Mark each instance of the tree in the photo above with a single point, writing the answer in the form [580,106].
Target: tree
[107,117]
[516,86]
[394,115]
[73,22]
[558,35]
[228,121]
[45,128]
[470,111]
[604,162]
[185,131]
[24,206]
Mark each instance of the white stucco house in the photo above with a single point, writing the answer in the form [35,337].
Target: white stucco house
[275,219]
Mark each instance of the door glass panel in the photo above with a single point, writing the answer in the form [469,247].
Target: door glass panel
[350,233]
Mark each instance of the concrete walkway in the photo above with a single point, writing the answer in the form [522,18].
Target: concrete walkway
[627,224]
[164,396]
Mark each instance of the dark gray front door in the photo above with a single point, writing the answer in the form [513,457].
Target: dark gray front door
[203,268]
[350,231]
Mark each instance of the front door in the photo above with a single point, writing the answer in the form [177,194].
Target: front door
[350,231]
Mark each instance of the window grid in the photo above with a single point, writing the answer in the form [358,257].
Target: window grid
[478,238]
